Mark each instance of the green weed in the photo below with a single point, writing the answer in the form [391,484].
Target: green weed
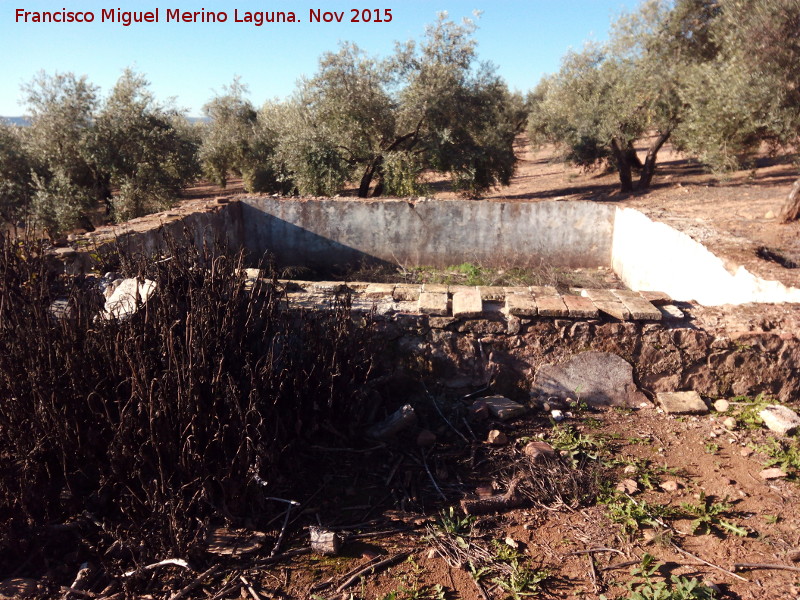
[676,588]
[707,516]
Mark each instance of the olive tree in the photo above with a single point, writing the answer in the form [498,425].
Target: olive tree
[427,106]
[750,95]
[608,97]
[147,149]
[61,109]
[16,182]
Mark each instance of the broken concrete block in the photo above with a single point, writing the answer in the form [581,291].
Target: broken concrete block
[580,307]
[597,378]
[521,305]
[128,295]
[780,419]
[433,303]
[682,403]
[324,541]
[467,303]
[503,408]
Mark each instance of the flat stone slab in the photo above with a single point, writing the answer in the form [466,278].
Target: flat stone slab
[436,288]
[551,306]
[503,408]
[682,403]
[467,303]
[406,292]
[640,309]
[521,305]
[543,290]
[657,298]
[379,290]
[780,419]
[433,303]
[607,302]
[597,378]
[580,307]
[525,291]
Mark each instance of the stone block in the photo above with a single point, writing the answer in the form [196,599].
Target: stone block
[551,306]
[521,305]
[780,419]
[433,303]
[597,378]
[467,304]
[436,288]
[657,298]
[407,292]
[640,309]
[682,403]
[503,408]
[605,301]
[525,291]
[379,290]
[580,307]
[543,290]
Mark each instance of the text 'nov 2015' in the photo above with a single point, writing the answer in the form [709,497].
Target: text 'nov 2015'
[127,18]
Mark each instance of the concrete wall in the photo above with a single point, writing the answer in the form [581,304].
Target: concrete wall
[648,255]
[323,233]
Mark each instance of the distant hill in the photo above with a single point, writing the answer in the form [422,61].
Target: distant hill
[17,120]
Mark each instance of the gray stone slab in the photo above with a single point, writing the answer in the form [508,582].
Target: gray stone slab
[682,403]
[467,303]
[605,301]
[503,408]
[525,291]
[433,303]
[657,298]
[521,305]
[436,288]
[597,378]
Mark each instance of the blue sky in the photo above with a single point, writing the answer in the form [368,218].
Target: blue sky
[191,61]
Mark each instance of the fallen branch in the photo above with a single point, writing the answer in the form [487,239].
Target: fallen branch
[195,583]
[778,567]
[498,503]
[249,588]
[178,562]
[370,569]
[705,562]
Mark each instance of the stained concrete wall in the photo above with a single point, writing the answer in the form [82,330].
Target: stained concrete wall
[323,233]
[648,255]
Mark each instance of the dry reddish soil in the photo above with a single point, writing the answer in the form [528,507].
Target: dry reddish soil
[389,497]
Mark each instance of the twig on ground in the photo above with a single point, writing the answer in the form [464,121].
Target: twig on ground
[430,475]
[705,562]
[249,588]
[738,566]
[593,550]
[178,562]
[593,573]
[369,569]
[195,583]
[441,414]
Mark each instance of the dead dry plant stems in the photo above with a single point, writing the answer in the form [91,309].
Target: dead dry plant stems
[775,566]
[195,583]
[709,564]
[370,569]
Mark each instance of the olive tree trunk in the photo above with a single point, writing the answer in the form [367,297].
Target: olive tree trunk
[790,211]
